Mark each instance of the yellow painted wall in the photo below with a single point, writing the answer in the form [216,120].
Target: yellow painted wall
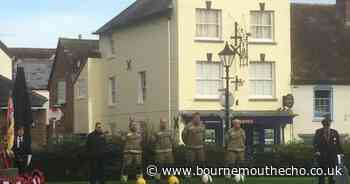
[81,106]
[191,51]
[153,44]
[5,65]
[87,111]
[95,92]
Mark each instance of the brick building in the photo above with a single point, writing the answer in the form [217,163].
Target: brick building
[71,55]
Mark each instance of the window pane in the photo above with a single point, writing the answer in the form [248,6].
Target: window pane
[261,25]
[269,136]
[113,90]
[322,102]
[253,18]
[261,79]
[208,78]
[208,23]
[266,32]
[253,88]
[322,93]
[268,88]
[61,89]
[266,18]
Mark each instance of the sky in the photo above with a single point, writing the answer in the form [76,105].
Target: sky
[39,23]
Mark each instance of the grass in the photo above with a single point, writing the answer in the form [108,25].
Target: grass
[250,180]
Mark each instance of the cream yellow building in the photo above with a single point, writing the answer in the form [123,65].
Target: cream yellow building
[160,60]
[5,61]
[86,96]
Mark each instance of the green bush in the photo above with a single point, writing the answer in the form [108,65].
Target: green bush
[65,159]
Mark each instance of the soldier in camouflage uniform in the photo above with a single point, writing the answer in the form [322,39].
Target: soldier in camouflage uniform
[235,144]
[163,141]
[132,149]
[193,136]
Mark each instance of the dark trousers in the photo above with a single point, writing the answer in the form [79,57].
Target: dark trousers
[322,180]
[21,164]
[96,171]
[327,161]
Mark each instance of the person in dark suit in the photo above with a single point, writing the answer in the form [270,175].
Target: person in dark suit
[327,146]
[96,149]
[22,151]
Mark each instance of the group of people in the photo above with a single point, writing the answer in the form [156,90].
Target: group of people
[193,136]
[326,143]
[164,141]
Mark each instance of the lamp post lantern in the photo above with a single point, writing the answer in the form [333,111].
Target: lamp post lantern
[227,56]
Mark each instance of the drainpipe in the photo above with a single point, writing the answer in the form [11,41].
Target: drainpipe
[169,74]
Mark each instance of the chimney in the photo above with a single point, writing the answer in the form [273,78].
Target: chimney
[343,11]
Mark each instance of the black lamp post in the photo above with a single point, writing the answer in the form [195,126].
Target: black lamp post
[227,57]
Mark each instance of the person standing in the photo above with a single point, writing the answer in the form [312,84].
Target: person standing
[164,141]
[193,136]
[96,149]
[327,146]
[22,151]
[132,150]
[235,144]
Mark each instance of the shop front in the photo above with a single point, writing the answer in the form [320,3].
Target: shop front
[263,128]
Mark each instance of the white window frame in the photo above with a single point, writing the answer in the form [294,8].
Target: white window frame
[320,117]
[112,93]
[61,98]
[220,80]
[252,26]
[219,24]
[111,45]
[269,138]
[142,87]
[81,94]
[273,79]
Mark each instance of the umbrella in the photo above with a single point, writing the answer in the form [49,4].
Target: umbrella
[22,106]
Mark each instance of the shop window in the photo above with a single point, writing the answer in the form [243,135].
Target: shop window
[210,136]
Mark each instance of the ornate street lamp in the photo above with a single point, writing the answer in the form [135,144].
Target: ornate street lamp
[227,56]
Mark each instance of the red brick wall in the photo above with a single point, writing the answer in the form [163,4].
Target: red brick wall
[62,71]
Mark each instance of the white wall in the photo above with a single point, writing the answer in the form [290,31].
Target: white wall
[304,123]
[5,65]
[46,94]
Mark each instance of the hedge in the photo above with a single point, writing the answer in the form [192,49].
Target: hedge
[66,160]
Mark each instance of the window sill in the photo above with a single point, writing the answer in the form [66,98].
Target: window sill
[206,98]
[110,57]
[212,40]
[61,104]
[81,98]
[256,99]
[111,105]
[317,120]
[267,42]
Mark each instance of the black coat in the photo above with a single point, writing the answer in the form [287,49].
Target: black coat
[24,148]
[328,149]
[96,145]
